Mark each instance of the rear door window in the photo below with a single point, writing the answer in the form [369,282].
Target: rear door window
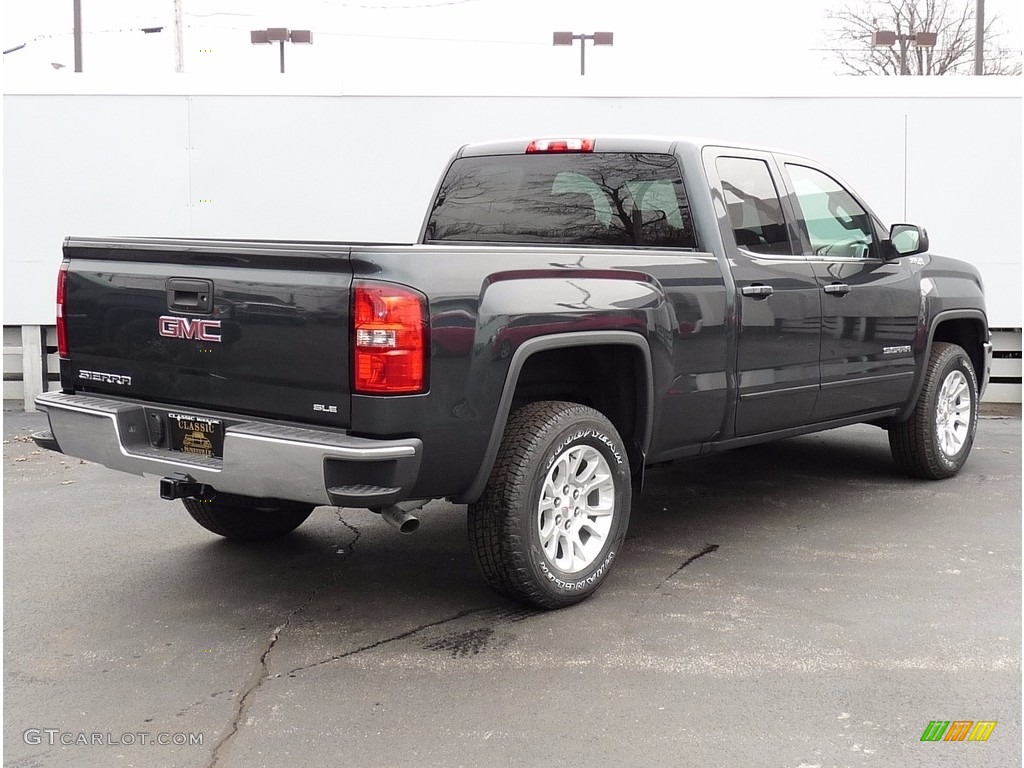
[605,199]
[755,210]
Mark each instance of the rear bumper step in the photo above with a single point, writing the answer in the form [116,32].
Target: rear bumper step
[260,458]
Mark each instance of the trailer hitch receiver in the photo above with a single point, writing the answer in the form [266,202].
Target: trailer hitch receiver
[182,486]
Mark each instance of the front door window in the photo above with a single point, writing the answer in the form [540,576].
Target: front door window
[836,225]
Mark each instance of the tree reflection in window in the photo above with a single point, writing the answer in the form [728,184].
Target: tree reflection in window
[568,199]
[753,204]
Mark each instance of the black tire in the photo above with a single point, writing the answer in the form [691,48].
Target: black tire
[243,518]
[584,533]
[919,447]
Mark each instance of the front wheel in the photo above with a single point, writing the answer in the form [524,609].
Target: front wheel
[243,518]
[935,441]
[556,507]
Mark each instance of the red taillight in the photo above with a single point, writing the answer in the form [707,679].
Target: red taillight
[389,339]
[62,330]
[560,145]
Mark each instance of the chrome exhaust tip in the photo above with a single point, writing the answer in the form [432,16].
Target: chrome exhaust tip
[397,517]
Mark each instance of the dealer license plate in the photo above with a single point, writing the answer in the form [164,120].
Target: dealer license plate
[197,435]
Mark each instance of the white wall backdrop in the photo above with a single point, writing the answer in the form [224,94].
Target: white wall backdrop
[363,167]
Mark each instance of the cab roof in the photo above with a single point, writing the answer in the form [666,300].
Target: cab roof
[605,143]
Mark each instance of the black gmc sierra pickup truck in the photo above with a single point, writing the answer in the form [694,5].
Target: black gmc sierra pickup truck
[576,309]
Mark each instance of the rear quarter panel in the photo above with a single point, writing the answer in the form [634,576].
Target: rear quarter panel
[487,301]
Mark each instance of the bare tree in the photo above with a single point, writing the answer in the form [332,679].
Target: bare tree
[951,20]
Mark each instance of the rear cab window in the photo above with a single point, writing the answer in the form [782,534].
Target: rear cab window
[601,199]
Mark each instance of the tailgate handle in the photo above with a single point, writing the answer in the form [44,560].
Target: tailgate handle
[186,294]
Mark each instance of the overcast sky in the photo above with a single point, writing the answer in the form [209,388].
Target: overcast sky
[423,46]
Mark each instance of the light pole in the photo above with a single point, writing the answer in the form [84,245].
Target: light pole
[567,38]
[179,54]
[280,35]
[887,39]
[979,38]
[78,35]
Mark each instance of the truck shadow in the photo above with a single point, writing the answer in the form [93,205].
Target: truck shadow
[785,471]
[349,566]
[800,483]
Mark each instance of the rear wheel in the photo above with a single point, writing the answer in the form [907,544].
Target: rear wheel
[243,518]
[556,507]
[936,440]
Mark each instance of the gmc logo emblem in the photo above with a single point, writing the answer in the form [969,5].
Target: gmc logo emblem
[189,328]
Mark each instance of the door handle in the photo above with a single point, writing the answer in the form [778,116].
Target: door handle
[836,289]
[757,291]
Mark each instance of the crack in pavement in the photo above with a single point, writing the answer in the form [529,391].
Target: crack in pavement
[350,548]
[706,551]
[262,671]
[385,641]
[641,604]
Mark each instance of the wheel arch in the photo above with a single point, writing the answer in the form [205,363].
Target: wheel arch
[968,329]
[531,377]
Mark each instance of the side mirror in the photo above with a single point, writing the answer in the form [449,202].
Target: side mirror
[906,240]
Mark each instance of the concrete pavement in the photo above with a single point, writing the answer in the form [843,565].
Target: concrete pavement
[796,604]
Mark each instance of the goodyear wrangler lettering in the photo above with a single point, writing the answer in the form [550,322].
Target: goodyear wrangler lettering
[574,586]
[581,434]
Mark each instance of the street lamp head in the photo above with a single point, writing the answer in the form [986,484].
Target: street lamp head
[280,35]
[882,37]
[568,38]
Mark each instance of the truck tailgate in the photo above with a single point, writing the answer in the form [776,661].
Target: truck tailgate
[249,327]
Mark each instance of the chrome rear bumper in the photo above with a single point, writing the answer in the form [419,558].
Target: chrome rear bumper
[261,459]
